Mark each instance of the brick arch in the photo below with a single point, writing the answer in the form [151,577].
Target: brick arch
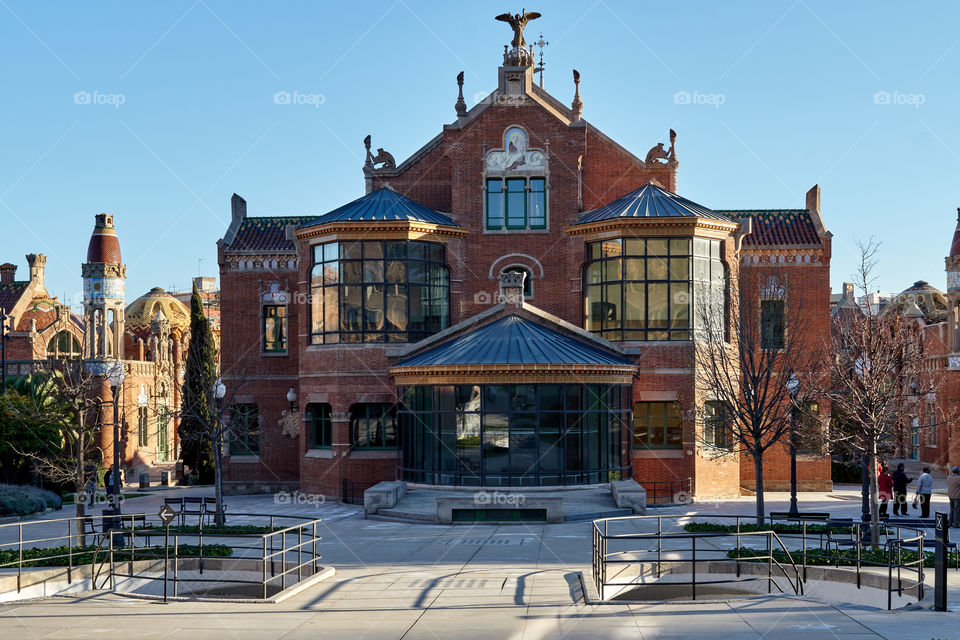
[511,260]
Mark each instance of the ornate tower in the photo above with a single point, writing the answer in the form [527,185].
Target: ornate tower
[953,292]
[103,284]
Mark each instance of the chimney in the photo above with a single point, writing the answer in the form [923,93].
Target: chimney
[37,263]
[7,272]
[238,208]
[511,288]
[813,206]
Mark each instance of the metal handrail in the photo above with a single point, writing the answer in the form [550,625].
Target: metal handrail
[304,532]
[798,561]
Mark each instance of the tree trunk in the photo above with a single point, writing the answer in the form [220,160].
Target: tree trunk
[874,504]
[758,476]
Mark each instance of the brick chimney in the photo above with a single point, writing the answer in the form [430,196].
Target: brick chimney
[7,272]
[37,263]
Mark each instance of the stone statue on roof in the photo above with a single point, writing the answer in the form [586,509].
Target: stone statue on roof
[518,22]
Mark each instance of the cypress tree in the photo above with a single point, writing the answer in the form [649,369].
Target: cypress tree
[198,416]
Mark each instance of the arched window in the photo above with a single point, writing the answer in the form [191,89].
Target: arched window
[64,345]
[527,282]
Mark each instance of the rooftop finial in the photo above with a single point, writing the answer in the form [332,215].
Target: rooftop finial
[540,44]
[577,105]
[461,105]
[518,55]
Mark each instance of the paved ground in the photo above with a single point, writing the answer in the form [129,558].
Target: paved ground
[401,580]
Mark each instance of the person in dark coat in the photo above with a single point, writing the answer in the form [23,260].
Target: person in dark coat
[885,489]
[900,482]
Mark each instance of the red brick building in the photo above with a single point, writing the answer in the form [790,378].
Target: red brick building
[511,305]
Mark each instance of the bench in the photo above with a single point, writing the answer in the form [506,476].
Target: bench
[488,506]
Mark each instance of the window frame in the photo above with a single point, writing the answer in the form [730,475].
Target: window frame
[321,422]
[778,341]
[373,411]
[716,414]
[504,213]
[671,409]
[240,443]
[359,275]
[285,327]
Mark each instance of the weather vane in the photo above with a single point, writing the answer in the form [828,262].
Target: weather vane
[541,43]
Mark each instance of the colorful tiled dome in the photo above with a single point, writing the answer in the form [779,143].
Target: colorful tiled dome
[141,312]
[104,245]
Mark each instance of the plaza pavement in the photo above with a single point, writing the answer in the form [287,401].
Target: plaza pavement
[406,580]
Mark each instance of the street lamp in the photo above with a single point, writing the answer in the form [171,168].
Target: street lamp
[292,399]
[115,376]
[219,391]
[792,386]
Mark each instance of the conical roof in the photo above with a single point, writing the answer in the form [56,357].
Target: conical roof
[382,205]
[104,247]
[651,201]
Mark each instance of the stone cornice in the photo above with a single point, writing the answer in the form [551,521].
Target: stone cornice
[515,373]
[380,230]
[624,226]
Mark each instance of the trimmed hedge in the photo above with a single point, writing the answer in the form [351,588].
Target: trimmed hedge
[22,500]
[845,557]
[48,556]
[210,530]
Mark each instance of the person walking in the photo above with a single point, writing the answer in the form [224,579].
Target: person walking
[885,491]
[953,492]
[900,482]
[925,491]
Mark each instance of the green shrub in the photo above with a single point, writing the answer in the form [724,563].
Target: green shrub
[22,500]
[746,527]
[49,556]
[844,558]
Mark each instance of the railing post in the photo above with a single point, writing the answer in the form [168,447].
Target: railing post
[693,564]
[920,562]
[769,562]
[659,543]
[201,545]
[804,554]
[69,551]
[19,555]
[283,560]
[859,543]
[299,553]
[889,577]
[176,563]
[314,546]
[113,579]
[264,558]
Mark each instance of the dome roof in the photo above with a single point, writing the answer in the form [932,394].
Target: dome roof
[141,311]
[104,245]
[931,302]
[955,245]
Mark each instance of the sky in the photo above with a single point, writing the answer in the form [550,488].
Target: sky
[157,112]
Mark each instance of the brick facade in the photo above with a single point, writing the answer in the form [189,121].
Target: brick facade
[584,170]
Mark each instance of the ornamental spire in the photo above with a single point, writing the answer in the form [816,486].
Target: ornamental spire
[518,55]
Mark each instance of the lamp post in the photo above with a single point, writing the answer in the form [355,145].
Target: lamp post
[292,399]
[115,377]
[219,391]
[792,386]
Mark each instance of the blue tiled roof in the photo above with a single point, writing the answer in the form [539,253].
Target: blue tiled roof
[513,340]
[650,201]
[382,205]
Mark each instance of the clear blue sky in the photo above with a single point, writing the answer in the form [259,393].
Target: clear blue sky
[198,120]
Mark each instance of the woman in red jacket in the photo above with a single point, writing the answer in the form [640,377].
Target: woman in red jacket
[885,489]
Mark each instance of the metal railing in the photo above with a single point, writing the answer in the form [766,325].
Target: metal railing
[788,543]
[284,554]
[604,558]
[669,491]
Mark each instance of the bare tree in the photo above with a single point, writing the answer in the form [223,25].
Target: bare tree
[877,367]
[745,354]
[65,397]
